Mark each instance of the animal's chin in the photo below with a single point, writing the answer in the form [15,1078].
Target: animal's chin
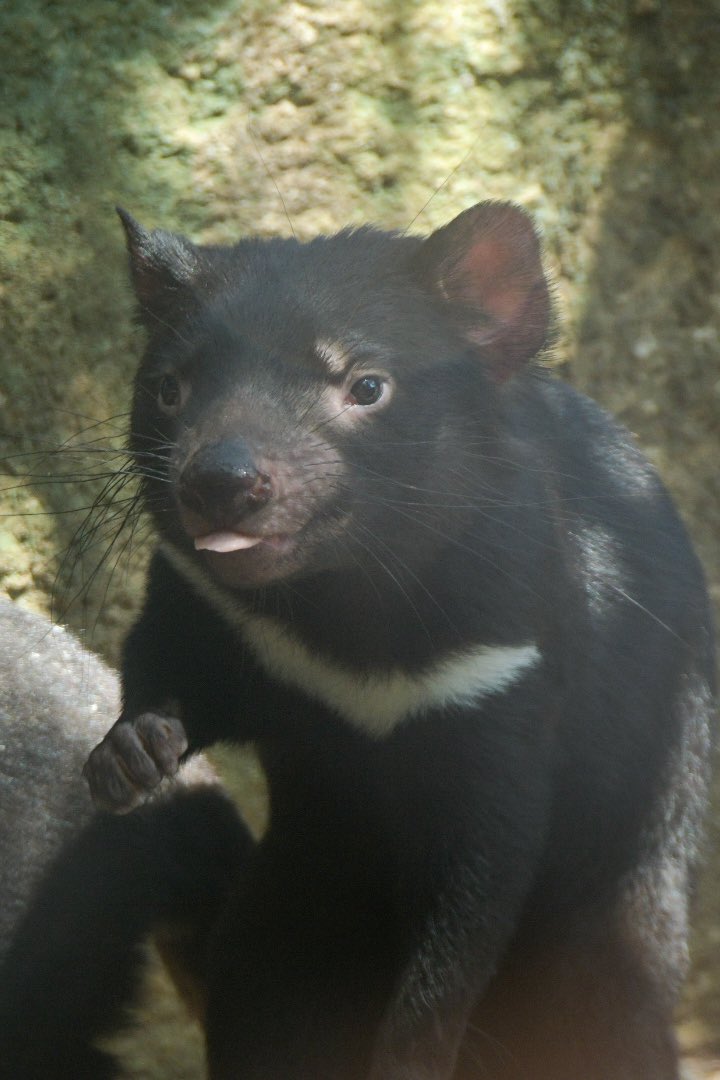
[247,563]
[240,559]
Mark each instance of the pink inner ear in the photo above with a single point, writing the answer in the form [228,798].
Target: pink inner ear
[488,279]
[492,264]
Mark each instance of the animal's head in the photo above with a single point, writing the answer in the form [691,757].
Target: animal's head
[307,406]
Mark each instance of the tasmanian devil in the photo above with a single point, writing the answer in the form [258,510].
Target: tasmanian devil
[453,607]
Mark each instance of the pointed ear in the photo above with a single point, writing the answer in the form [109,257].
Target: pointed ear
[486,266]
[163,267]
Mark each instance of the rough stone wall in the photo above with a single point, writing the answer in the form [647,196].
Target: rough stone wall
[221,118]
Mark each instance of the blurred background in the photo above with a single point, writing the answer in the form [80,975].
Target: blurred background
[222,118]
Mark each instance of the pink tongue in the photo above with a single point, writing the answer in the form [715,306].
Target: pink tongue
[225,541]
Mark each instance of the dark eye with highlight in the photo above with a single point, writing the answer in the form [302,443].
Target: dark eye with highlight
[170,394]
[367,391]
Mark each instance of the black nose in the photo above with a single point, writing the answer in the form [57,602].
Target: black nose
[222,483]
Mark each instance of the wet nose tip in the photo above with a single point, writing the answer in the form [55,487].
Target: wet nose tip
[222,482]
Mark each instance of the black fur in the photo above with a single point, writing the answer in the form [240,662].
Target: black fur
[68,972]
[493,885]
[167,865]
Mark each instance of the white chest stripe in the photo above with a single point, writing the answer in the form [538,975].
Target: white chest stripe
[373,703]
[378,703]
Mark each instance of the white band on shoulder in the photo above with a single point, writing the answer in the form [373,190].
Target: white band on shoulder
[374,703]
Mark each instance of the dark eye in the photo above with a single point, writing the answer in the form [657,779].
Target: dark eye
[367,391]
[169,394]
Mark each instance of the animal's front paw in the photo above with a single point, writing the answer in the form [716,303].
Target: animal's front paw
[133,758]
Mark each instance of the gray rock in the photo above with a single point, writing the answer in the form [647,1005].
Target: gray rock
[57,700]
